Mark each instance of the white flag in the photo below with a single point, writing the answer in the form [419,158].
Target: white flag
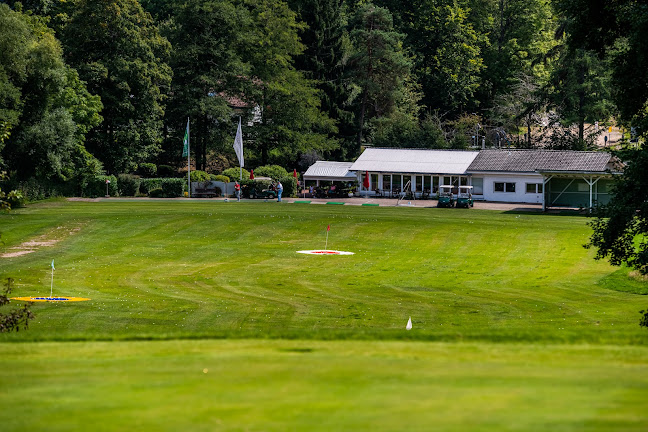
[238,144]
[409,324]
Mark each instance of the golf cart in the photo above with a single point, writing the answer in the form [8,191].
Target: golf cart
[446,198]
[464,197]
[263,193]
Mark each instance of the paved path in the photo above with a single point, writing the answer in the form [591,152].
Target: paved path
[358,201]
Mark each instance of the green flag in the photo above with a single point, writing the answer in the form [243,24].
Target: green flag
[185,148]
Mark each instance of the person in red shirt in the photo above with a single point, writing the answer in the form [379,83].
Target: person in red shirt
[237,191]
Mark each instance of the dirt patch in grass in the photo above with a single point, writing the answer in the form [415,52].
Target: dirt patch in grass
[48,239]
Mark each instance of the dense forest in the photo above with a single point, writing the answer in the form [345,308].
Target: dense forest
[94,87]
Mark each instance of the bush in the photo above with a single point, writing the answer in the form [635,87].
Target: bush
[173,187]
[199,176]
[156,193]
[235,174]
[147,185]
[247,186]
[289,186]
[96,187]
[167,171]
[128,184]
[221,178]
[275,172]
[148,170]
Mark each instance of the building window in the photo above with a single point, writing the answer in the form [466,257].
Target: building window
[387,182]
[504,187]
[534,188]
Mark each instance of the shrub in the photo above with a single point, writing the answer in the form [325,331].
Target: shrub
[147,185]
[221,178]
[156,193]
[128,184]
[167,171]
[199,176]
[289,186]
[148,170]
[275,172]
[97,186]
[173,187]
[235,173]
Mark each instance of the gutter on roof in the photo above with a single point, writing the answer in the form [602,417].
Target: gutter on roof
[600,173]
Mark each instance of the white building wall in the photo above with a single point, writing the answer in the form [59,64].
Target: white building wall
[519,196]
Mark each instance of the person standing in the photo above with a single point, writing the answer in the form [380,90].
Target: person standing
[237,190]
[279,191]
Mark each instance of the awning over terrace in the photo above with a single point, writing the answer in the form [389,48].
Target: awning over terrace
[330,171]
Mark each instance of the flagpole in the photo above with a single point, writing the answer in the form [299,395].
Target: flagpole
[241,165]
[188,159]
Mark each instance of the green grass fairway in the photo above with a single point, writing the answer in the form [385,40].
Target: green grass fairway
[515,326]
[253,385]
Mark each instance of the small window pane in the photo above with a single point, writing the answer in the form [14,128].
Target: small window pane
[499,187]
[531,188]
[510,187]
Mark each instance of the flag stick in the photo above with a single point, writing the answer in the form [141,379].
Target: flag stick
[188,159]
[326,245]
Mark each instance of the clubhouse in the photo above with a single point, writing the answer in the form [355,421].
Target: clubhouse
[553,178]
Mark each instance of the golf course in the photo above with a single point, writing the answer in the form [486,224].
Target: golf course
[202,316]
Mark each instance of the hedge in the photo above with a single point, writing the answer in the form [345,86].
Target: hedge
[128,184]
[289,186]
[147,185]
[173,187]
[97,186]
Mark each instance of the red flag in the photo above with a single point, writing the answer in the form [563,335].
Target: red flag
[328,228]
[251,174]
[295,173]
[366,183]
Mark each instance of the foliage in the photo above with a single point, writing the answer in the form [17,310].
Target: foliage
[15,318]
[96,187]
[45,109]
[619,231]
[126,64]
[618,30]
[147,169]
[578,89]
[275,172]
[173,187]
[167,171]
[289,186]
[147,185]
[643,322]
[199,176]
[221,178]
[378,65]
[235,173]
[128,184]
[157,193]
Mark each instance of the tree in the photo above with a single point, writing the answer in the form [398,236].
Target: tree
[323,60]
[618,30]
[210,75]
[620,231]
[517,33]
[118,51]
[378,65]
[447,59]
[15,318]
[291,119]
[45,109]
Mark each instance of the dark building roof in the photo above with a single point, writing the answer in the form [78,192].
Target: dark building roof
[541,160]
